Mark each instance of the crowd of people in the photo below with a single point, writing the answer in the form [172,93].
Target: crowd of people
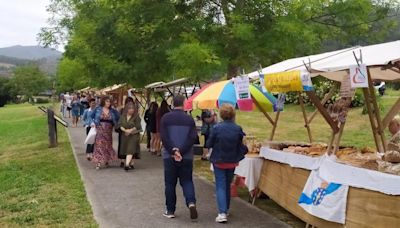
[172,134]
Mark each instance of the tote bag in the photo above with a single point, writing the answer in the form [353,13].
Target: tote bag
[91,136]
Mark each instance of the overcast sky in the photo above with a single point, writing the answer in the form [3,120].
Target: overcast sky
[21,20]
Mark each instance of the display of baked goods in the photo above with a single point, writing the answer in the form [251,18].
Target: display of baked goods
[252,144]
[392,156]
[314,150]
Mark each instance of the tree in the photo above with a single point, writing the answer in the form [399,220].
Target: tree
[5,90]
[144,41]
[29,81]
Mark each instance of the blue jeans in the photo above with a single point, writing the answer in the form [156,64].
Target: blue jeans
[172,172]
[223,179]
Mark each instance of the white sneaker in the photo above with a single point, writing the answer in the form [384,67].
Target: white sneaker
[221,218]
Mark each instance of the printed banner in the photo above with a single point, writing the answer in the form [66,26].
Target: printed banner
[359,76]
[323,199]
[283,82]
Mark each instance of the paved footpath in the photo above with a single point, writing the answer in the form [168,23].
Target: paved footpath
[136,198]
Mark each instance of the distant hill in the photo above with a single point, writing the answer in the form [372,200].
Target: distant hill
[46,58]
[30,52]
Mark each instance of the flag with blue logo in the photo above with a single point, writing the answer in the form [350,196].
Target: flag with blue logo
[323,199]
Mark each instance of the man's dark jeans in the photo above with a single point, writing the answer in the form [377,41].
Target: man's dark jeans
[172,172]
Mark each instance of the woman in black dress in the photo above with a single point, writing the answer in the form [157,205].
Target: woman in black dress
[152,124]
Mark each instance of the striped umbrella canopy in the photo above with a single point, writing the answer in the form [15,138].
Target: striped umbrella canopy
[212,95]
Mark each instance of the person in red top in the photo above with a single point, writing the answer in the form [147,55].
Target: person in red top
[227,150]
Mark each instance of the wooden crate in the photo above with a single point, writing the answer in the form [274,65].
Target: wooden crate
[365,208]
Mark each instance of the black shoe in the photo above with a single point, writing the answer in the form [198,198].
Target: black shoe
[193,211]
[127,168]
[131,167]
[169,214]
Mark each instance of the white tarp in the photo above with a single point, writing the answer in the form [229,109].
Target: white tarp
[338,61]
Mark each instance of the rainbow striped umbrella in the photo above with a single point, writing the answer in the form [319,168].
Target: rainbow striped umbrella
[215,94]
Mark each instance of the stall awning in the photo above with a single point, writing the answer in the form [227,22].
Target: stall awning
[380,58]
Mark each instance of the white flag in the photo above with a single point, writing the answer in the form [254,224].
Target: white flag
[323,199]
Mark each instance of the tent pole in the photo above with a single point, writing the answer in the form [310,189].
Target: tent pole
[338,138]
[391,114]
[377,112]
[331,143]
[371,118]
[322,110]
[275,125]
[326,98]
[306,123]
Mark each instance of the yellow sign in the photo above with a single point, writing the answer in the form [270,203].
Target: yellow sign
[283,82]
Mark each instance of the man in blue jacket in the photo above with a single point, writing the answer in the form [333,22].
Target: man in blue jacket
[178,134]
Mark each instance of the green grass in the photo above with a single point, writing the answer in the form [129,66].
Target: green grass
[40,186]
[357,132]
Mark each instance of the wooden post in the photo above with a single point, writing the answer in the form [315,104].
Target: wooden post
[391,114]
[326,98]
[306,124]
[274,125]
[338,137]
[52,128]
[371,118]
[377,112]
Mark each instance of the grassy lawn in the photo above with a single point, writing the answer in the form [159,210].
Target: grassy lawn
[40,187]
[357,133]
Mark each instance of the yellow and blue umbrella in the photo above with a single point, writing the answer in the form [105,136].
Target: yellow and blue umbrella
[215,94]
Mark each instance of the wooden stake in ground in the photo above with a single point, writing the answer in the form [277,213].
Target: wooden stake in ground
[51,122]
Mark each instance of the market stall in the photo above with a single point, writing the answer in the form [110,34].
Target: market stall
[117,92]
[302,177]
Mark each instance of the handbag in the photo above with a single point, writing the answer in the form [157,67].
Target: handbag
[90,138]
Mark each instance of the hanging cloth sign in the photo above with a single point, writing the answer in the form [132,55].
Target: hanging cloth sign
[242,90]
[306,80]
[242,84]
[283,82]
[359,76]
[345,87]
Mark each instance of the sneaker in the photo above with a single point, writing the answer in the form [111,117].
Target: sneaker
[168,214]
[193,211]
[221,218]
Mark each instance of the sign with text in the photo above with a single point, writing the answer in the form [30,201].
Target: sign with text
[359,76]
[283,82]
[345,87]
[242,84]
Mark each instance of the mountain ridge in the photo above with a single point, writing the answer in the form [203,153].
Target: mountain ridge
[30,52]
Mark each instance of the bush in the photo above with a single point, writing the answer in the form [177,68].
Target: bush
[322,86]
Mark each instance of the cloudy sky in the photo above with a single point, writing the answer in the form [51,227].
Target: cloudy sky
[21,20]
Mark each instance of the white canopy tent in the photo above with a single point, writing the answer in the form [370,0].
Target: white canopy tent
[383,63]
[383,60]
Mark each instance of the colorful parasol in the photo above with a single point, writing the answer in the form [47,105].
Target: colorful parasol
[215,94]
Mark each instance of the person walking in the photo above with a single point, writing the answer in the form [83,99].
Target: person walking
[153,126]
[88,121]
[209,119]
[68,100]
[164,108]
[227,150]
[178,134]
[105,118]
[148,133]
[130,125]
[76,110]
[121,155]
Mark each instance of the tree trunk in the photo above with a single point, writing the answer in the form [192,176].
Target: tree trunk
[232,71]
